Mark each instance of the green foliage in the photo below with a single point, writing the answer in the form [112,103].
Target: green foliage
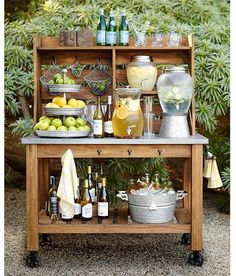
[23,127]
[226,179]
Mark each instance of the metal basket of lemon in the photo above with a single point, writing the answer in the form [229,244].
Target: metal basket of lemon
[99,80]
[69,127]
[127,121]
[60,106]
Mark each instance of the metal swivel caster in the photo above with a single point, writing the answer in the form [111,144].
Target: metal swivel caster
[33,260]
[195,258]
[186,239]
[45,240]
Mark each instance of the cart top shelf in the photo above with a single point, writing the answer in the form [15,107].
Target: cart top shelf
[192,140]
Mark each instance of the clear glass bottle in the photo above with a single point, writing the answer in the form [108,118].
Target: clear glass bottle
[101,29]
[103,201]
[111,31]
[77,205]
[86,204]
[91,185]
[98,121]
[108,130]
[124,30]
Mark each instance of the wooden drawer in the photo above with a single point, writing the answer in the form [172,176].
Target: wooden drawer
[115,151]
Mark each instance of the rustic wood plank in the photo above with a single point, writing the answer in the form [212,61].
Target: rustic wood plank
[43,181]
[36,58]
[197,197]
[187,183]
[121,151]
[182,216]
[107,225]
[32,197]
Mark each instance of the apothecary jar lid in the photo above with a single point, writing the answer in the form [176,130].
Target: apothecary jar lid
[141,59]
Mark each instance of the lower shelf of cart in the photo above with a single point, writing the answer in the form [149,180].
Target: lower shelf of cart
[116,223]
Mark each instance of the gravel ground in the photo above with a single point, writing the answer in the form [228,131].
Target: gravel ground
[116,255]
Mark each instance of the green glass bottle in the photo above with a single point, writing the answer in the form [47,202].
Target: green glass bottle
[101,29]
[124,30]
[98,121]
[111,31]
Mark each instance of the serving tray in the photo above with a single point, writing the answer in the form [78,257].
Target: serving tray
[63,111]
[62,134]
[55,89]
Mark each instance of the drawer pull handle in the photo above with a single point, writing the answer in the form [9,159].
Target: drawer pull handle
[159,152]
[99,152]
[129,151]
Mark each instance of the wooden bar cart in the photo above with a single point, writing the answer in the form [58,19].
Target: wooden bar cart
[40,150]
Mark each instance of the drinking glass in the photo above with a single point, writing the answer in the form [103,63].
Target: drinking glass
[157,40]
[149,124]
[174,39]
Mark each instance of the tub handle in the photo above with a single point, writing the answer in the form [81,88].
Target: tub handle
[181,194]
[152,207]
[122,195]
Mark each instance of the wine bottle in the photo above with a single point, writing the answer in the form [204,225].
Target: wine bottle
[98,121]
[99,183]
[103,202]
[86,203]
[101,29]
[108,130]
[53,199]
[91,185]
[96,183]
[77,205]
[124,30]
[111,35]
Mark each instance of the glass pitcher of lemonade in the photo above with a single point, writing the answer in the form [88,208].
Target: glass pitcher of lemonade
[127,120]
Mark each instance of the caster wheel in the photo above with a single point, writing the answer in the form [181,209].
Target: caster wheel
[45,240]
[186,239]
[33,260]
[195,258]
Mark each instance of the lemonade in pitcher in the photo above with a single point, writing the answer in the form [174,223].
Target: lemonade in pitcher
[127,121]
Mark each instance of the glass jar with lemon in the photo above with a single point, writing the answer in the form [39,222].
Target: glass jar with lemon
[127,120]
[142,73]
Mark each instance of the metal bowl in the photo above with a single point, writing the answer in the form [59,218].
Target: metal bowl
[55,89]
[63,111]
[62,134]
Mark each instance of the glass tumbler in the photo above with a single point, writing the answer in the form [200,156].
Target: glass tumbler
[149,119]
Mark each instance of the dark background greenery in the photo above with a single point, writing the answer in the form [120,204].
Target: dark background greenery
[208,20]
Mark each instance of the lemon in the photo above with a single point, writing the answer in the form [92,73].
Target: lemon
[52,105]
[122,112]
[59,101]
[80,104]
[66,106]
[72,102]
[133,71]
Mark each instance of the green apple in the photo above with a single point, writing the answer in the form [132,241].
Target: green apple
[52,128]
[37,126]
[69,121]
[80,122]
[43,125]
[42,118]
[48,120]
[62,128]
[72,81]
[67,80]
[56,122]
[81,128]
[51,82]
[59,81]
[72,128]
[58,76]
[87,128]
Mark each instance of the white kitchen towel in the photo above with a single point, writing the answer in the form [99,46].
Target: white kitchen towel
[68,184]
[211,172]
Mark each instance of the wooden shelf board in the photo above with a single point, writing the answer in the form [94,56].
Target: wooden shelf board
[128,48]
[107,226]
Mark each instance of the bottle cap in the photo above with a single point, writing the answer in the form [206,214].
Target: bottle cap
[89,169]
[52,180]
[101,11]
[111,13]
[104,181]
[123,12]
[86,183]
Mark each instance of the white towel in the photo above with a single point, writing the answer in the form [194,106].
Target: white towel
[211,172]
[68,184]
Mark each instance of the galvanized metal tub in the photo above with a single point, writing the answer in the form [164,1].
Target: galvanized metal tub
[154,208]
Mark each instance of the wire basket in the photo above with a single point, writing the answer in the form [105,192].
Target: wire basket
[99,80]
[49,75]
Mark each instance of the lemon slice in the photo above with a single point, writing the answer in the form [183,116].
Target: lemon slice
[122,112]
[133,71]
